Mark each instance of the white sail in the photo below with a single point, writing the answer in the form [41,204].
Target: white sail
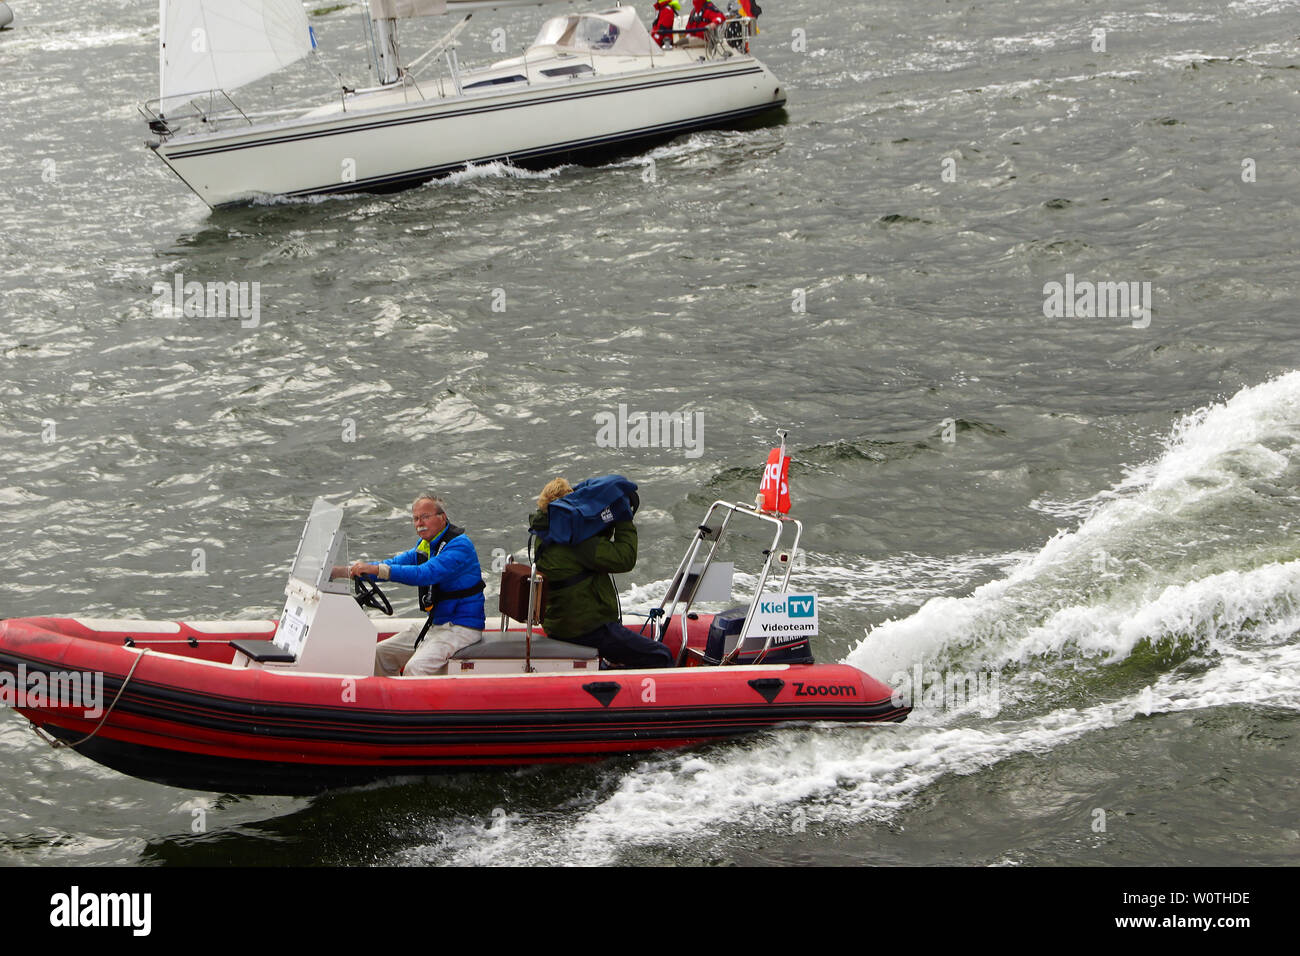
[223,44]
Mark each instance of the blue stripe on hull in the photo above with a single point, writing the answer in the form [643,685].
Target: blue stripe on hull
[577,147]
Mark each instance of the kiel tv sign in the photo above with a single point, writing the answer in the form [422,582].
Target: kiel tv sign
[802,606]
[785,617]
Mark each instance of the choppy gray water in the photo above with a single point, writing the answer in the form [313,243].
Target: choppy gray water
[1098,512]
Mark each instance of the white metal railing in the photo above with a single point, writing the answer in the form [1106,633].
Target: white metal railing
[682,592]
[210,107]
[729,38]
[213,110]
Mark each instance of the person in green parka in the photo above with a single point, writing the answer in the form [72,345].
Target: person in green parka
[582,607]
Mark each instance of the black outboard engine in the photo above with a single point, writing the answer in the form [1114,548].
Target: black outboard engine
[725,629]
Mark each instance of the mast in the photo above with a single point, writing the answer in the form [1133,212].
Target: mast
[162,50]
[383,50]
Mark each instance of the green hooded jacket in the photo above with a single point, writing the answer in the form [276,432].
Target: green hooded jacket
[581,608]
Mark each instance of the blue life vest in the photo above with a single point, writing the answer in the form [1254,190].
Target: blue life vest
[431,594]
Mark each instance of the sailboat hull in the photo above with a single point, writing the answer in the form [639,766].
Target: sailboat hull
[397,145]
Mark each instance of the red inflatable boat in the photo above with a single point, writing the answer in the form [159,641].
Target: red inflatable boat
[175,709]
[218,706]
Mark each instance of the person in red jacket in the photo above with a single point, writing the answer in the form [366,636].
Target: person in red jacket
[665,16]
[703,15]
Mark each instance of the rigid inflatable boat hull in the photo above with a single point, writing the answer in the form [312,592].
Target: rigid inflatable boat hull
[206,724]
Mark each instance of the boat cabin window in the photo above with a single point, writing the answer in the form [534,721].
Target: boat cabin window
[576,70]
[495,81]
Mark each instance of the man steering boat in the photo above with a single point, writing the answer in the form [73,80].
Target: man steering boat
[444,566]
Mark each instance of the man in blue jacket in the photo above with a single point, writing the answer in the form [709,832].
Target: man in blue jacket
[444,566]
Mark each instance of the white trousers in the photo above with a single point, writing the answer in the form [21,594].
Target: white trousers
[399,657]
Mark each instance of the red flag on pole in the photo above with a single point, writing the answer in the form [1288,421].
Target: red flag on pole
[774,490]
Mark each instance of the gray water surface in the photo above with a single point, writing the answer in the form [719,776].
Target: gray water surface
[985,489]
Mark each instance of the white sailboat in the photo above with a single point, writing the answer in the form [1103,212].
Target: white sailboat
[588,82]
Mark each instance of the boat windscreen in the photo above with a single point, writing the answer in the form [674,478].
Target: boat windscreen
[610,32]
[323,547]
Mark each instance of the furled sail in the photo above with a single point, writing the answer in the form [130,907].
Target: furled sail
[223,44]
[401,9]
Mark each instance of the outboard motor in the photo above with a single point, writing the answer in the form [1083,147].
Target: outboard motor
[725,629]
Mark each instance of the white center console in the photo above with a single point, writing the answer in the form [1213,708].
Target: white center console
[322,628]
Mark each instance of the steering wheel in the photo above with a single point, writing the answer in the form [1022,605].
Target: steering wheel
[368,594]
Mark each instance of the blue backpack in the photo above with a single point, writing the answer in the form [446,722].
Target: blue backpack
[590,508]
